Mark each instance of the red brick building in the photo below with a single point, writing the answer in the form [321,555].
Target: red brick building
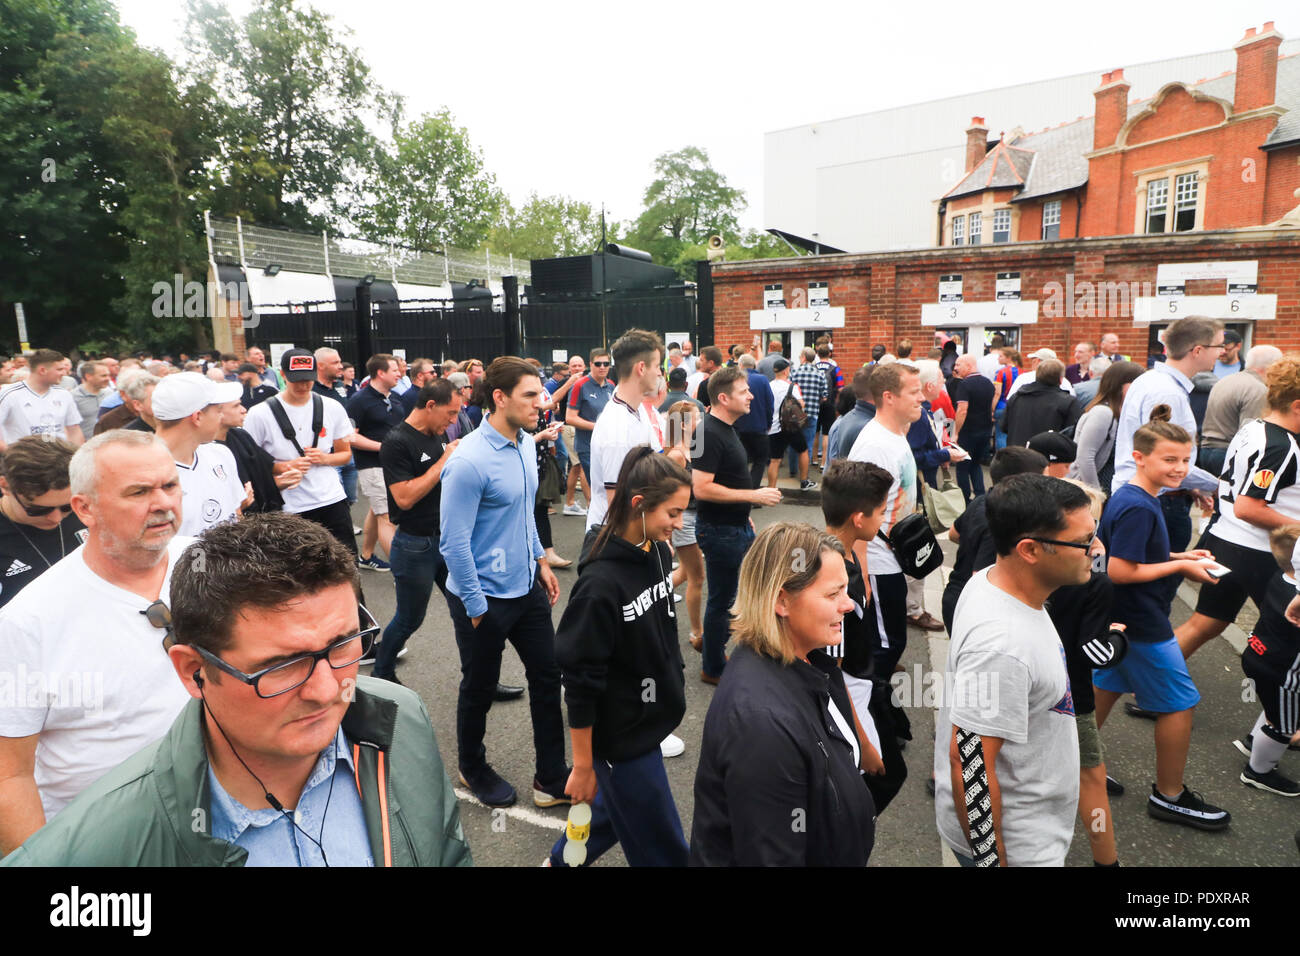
[1187,203]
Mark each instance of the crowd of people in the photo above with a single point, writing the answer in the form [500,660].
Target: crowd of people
[182,560]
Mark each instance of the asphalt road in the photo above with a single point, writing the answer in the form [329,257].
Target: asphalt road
[1261,833]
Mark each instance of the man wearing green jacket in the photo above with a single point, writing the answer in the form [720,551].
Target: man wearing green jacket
[285,757]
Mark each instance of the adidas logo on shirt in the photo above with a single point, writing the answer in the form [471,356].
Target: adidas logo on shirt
[17,568]
[424,456]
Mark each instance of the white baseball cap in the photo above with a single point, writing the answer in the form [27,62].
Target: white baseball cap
[1043,354]
[184,393]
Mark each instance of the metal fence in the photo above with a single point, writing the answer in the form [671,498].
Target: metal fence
[449,329]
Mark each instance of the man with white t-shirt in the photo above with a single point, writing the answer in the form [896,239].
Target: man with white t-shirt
[188,408]
[317,444]
[627,421]
[93,683]
[35,407]
[1006,740]
[710,361]
[897,394]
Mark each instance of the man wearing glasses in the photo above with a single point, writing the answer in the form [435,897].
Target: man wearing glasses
[1006,754]
[92,684]
[586,401]
[37,527]
[282,755]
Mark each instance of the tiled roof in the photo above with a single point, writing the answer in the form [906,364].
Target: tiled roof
[1059,162]
[1003,166]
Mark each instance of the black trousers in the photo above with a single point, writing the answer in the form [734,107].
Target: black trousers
[758,450]
[337,520]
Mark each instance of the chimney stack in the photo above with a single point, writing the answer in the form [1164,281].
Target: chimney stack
[977,142]
[1112,109]
[1256,69]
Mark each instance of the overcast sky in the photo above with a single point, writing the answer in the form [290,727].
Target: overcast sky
[578,98]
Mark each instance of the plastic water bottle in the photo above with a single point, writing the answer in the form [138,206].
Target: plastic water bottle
[577,830]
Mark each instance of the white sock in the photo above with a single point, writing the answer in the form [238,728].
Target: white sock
[1260,721]
[1265,752]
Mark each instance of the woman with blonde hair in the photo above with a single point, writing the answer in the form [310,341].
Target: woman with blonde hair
[779,781]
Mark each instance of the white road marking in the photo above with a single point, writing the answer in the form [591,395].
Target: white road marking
[517,813]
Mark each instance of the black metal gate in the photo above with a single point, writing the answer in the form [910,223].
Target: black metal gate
[577,327]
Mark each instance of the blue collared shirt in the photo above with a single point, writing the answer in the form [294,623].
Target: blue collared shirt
[271,840]
[489,535]
[1162,385]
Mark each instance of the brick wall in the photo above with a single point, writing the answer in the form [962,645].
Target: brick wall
[882,293]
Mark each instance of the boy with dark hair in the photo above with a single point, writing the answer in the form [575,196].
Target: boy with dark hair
[853,504]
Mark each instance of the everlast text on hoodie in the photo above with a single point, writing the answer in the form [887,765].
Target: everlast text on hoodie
[618,650]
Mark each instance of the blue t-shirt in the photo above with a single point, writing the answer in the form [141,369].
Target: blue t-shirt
[1133,528]
[589,400]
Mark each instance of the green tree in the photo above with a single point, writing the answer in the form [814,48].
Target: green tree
[297,107]
[546,227]
[436,189]
[686,202]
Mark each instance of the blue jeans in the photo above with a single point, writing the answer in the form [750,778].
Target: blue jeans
[417,566]
[724,547]
[348,475]
[1178,522]
[970,474]
[998,433]
[634,807]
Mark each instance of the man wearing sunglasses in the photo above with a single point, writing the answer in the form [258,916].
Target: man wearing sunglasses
[587,400]
[283,755]
[37,527]
[1006,764]
[91,683]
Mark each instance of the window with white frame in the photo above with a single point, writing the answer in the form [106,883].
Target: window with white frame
[1052,219]
[1001,225]
[958,230]
[1157,205]
[976,228]
[1186,190]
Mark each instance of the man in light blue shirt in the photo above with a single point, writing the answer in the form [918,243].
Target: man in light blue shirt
[1230,361]
[500,585]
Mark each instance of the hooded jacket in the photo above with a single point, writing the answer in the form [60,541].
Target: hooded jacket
[618,650]
[1038,407]
[153,809]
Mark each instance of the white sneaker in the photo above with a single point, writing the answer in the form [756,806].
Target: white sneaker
[677,598]
[672,746]
[356,530]
[575,509]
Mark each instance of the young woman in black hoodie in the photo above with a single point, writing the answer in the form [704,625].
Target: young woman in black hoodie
[623,671]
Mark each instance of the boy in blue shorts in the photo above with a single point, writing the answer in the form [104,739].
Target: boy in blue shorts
[1272,660]
[1154,671]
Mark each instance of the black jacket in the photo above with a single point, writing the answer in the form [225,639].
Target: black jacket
[254,465]
[1037,407]
[617,647]
[776,784]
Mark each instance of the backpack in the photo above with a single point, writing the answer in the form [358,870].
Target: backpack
[831,371]
[791,415]
[286,426]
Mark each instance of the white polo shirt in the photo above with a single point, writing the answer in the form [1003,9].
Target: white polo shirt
[321,485]
[23,412]
[618,430]
[211,487]
[81,666]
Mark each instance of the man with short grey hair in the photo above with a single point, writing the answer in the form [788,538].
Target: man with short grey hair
[1086,391]
[109,690]
[1234,400]
[136,411]
[94,380]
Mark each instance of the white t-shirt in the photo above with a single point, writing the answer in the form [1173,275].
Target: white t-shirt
[87,672]
[23,412]
[890,450]
[780,386]
[692,384]
[987,365]
[619,428]
[211,488]
[321,485]
[1006,678]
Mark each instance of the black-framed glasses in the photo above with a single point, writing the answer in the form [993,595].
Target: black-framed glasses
[287,675]
[1065,544]
[601,364]
[40,511]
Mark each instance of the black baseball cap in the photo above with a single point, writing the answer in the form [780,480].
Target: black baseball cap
[1053,446]
[780,365]
[298,365]
[1231,338]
